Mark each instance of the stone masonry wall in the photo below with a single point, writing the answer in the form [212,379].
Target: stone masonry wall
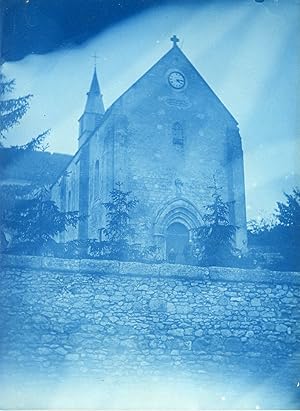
[134,145]
[118,318]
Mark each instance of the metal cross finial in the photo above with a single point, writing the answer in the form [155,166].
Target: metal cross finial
[95,57]
[175,40]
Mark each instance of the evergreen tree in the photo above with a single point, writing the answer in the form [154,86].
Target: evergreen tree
[288,213]
[34,221]
[11,109]
[282,234]
[11,112]
[27,214]
[287,231]
[118,228]
[260,232]
[215,239]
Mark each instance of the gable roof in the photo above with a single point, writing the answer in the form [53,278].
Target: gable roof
[178,53]
[109,111]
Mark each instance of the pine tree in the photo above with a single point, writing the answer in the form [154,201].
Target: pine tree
[11,109]
[26,213]
[34,221]
[287,232]
[11,112]
[215,239]
[281,234]
[259,232]
[118,228]
[288,213]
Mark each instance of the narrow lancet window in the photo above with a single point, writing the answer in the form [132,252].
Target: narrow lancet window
[177,134]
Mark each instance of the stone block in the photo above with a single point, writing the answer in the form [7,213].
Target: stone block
[143,287]
[139,269]
[21,261]
[72,357]
[60,264]
[183,271]
[189,331]
[176,332]
[226,333]
[183,309]
[234,344]
[171,308]
[61,351]
[46,338]
[253,276]
[106,267]
[200,344]
[255,302]
[285,277]
[281,328]
[156,304]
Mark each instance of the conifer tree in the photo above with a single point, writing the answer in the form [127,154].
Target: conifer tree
[11,109]
[26,213]
[288,213]
[118,228]
[281,234]
[287,232]
[34,221]
[215,239]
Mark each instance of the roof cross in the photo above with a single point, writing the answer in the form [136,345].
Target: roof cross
[95,57]
[175,40]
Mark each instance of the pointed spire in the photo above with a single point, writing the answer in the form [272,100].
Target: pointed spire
[93,111]
[94,103]
[95,84]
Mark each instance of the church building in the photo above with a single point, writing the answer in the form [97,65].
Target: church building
[165,139]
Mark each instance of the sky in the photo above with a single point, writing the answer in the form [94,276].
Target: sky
[247,52]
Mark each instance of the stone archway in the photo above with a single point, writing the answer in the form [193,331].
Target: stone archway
[181,212]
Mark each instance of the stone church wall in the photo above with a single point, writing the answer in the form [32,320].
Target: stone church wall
[65,193]
[155,163]
[136,143]
[165,144]
[116,318]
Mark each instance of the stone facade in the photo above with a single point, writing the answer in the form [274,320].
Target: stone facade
[165,143]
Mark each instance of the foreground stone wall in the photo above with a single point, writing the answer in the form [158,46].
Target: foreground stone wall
[106,317]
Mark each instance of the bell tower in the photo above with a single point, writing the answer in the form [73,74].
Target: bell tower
[93,111]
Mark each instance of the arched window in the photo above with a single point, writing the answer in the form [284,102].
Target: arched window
[96,180]
[177,133]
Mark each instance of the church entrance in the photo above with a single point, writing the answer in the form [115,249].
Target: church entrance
[177,240]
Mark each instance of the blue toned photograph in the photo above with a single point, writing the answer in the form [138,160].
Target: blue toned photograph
[149,204]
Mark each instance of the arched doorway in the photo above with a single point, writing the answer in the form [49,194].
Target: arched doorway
[177,240]
[174,221]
